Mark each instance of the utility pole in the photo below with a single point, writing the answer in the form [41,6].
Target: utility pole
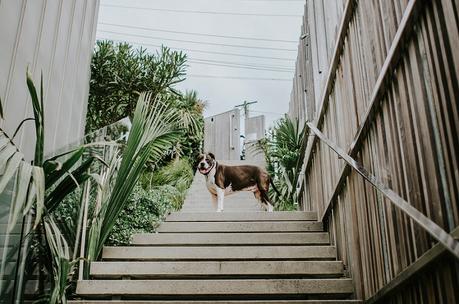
[245,107]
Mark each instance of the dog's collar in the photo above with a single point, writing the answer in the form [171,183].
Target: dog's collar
[211,168]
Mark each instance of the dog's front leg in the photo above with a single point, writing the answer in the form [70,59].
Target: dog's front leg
[220,198]
[214,200]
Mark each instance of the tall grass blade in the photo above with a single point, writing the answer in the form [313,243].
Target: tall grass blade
[38,177]
[37,105]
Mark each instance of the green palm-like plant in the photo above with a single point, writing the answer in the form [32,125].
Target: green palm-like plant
[62,261]
[283,149]
[41,187]
[152,134]
[190,109]
[191,122]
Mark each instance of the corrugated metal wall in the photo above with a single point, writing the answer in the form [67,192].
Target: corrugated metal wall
[386,88]
[57,38]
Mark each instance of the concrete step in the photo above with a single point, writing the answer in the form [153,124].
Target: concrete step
[215,301]
[193,227]
[212,269]
[211,209]
[262,288]
[240,216]
[207,203]
[220,253]
[218,239]
[240,199]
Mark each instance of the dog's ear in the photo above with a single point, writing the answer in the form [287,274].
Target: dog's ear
[211,155]
[197,159]
[197,156]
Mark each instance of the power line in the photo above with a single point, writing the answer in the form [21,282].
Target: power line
[198,34]
[200,51]
[199,12]
[245,64]
[200,42]
[265,112]
[236,77]
[240,67]
[273,0]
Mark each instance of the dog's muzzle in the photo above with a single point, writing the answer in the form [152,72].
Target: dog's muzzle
[203,170]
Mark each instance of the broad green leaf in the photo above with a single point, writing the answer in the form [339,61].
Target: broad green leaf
[5,155]
[53,176]
[38,177]
[11,168]
[68,185]
[20,194]
[3,140]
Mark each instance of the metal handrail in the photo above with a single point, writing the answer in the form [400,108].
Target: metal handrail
[430,226]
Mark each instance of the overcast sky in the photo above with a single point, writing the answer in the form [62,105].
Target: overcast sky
[272,26]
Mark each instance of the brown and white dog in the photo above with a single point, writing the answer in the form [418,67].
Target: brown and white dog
[223,180]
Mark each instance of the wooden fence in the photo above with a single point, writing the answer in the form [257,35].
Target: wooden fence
[380,80]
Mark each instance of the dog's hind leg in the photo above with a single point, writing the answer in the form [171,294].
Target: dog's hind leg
[265,200]
[270,207]
[220,198]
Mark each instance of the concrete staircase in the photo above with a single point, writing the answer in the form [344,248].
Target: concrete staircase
[242,255]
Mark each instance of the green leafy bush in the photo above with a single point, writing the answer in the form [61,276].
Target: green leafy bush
[157,194]
[144,211]
[119,72]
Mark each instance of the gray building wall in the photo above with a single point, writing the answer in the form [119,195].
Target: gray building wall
[56,38]
[222,135]
[255,127]
[254,131]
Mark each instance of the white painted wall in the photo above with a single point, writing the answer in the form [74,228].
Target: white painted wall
[55,37]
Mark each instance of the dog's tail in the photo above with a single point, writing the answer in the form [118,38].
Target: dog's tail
[274,186]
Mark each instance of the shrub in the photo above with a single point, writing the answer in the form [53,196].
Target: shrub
[157,194]
[144,211]
[119,72]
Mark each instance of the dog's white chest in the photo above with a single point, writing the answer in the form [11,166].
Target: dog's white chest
[210,184]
